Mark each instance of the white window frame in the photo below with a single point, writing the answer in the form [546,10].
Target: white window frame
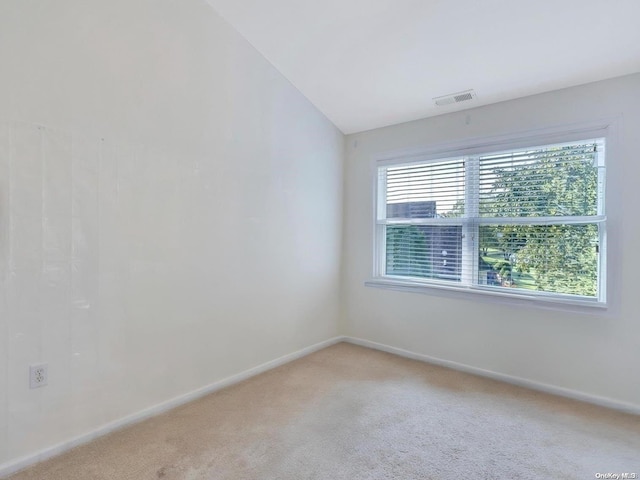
[473,148]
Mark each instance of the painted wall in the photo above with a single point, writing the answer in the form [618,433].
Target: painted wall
[595,354]
[170,212]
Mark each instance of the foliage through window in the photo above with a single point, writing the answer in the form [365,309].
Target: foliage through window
[528,221]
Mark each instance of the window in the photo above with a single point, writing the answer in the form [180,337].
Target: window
[527,221]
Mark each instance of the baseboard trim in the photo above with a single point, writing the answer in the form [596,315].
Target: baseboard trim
[15,466]
[522,382]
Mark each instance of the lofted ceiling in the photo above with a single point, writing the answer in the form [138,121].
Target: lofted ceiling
[370,63]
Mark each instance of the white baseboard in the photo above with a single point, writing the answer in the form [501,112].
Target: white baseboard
[522,382]
[14,466]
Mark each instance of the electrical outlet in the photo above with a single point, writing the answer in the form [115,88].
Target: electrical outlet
[38,375]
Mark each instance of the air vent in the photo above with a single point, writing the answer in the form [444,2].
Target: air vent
[455,98]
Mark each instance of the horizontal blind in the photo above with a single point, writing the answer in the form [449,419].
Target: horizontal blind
[425,251]
[541,225]
[543,182]
[530,220]
[561,259]
[425,193]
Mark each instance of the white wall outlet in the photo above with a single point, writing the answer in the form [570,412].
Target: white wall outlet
[38,375]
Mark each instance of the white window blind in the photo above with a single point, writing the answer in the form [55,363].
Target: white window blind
[528,221]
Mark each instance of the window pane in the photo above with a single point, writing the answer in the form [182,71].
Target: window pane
[549,258]
[426,191]
[425,251]
[548,181]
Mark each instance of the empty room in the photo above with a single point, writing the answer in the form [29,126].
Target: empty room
[319,240]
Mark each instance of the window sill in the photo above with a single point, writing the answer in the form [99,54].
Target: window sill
[489,295]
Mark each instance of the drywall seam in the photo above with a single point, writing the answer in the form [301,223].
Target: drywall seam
[519,381]
[14,466]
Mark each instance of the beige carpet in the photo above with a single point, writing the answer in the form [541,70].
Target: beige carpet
[348,412]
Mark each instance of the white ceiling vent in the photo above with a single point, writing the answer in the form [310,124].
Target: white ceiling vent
[455,98]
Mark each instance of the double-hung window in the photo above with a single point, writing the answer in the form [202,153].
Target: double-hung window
[528,221]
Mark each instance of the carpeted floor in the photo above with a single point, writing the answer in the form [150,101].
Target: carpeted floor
[352,413]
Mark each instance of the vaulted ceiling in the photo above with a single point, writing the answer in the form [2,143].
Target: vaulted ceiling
[371,63]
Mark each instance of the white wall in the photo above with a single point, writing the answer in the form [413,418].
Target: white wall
[175,220]
[597,354]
